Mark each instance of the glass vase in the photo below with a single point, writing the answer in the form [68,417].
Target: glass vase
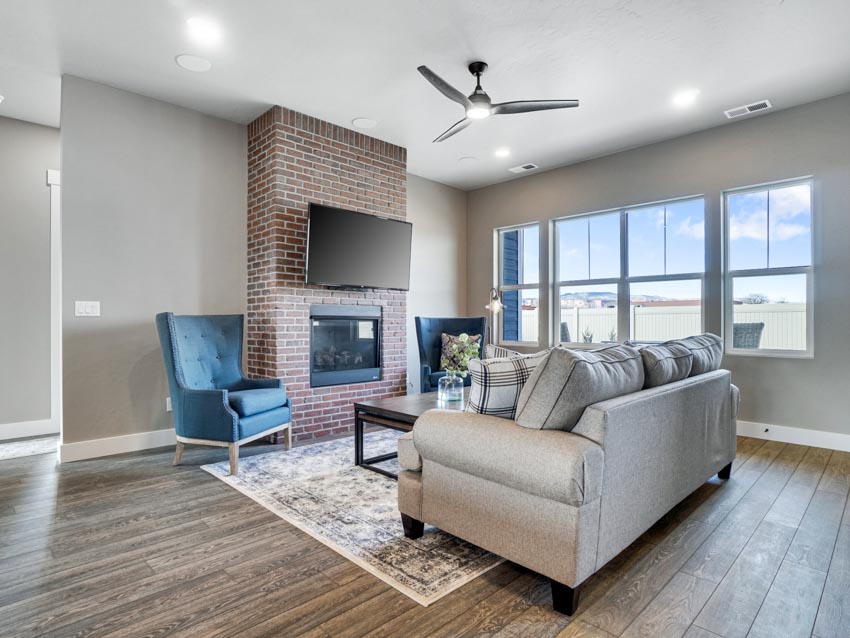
[450,388]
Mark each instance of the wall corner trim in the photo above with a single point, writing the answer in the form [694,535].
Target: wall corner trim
[26,429]
[96,448]
[798,436]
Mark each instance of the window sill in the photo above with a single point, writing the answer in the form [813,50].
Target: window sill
[769,354]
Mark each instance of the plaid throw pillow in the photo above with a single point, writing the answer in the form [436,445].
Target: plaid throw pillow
[498,352]
[447,353]
[496,383]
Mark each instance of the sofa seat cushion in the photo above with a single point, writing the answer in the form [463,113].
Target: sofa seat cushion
[251,402]
[551,464]
[568,381]
[251,425]
[663,364]
[707,350]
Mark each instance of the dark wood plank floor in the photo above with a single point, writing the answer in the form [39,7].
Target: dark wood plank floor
[131,546]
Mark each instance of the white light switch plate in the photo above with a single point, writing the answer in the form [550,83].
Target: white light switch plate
[168,404]
[86,308]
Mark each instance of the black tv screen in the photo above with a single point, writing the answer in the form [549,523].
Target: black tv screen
[351,249]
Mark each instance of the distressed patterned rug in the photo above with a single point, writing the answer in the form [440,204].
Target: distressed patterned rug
[353,511]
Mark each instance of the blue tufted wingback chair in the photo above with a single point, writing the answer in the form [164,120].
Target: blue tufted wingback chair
[212,401]
[428,333]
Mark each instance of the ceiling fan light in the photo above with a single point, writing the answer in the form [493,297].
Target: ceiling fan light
[477,112]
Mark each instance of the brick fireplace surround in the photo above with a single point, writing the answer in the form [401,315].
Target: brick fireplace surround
[293,160]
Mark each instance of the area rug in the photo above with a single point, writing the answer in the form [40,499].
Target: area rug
[353,511]
[28,447]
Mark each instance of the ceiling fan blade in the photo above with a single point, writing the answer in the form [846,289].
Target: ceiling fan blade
[457,127]
[527,106]
[444,87]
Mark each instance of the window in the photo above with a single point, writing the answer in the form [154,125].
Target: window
[769,269]
[639,270]
[519,283]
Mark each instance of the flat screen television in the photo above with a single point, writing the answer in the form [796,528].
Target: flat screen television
[356,250]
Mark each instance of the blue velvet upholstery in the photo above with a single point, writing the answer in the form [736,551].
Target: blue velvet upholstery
[203,362]
[428,332]
[251,402]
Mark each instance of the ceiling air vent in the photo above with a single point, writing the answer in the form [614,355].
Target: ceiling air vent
[522,168]
[738,111]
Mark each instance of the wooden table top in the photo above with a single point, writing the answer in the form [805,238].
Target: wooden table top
[410,407]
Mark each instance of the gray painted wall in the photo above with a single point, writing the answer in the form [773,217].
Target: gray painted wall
[153,205]
[813,139]
[27,151]
[438,259]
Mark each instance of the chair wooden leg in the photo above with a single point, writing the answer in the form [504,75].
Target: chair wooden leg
[178,453]
[725,473]
[564,598]
[233,448]
[287,438]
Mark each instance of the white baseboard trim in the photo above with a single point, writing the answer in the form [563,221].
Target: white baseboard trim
[96,448]
[27,428]
[800,436]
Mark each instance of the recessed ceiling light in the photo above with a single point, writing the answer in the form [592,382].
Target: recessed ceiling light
[467,161]
[685,98]
[364,122]
[193,63]
[502,151]
[203,31]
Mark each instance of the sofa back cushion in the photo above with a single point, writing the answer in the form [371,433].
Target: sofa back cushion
[497,383]
[707,350]
[664,364]
[570,380]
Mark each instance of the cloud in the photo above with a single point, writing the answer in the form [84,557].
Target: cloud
[695,229]
[748,219]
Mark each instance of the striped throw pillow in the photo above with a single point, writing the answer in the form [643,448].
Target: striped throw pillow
[498,352]
[496,383]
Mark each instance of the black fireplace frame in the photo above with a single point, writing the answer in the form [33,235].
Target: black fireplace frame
[353,313]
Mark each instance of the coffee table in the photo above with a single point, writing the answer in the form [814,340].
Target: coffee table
[396,413]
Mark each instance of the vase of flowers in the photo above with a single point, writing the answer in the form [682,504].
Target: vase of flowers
[450,387]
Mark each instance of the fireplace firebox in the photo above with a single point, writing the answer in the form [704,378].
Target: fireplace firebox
[345,344]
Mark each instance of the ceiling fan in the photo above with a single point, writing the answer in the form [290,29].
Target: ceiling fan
[478,105]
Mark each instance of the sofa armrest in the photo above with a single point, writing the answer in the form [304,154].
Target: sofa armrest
[206,414]
[549,463]
[408,457]
[736,400]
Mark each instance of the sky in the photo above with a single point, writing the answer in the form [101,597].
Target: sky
[767,228]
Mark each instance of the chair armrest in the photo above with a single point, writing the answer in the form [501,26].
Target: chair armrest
[206,414]
[259,384]
[426,377]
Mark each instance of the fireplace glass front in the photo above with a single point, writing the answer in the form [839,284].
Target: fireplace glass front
[345,345]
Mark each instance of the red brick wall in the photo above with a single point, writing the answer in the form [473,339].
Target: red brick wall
[293,160]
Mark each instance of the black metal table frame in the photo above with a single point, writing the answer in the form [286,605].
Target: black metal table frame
[363,417]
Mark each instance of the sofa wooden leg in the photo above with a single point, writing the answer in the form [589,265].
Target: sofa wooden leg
[287,438]
[564,598]
[725,473]
[413,529]
[233,448]
[178,453]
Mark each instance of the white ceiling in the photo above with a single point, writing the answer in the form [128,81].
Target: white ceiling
[341,59]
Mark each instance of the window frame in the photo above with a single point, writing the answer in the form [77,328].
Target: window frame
[501,287]
[624,281]
[730,275]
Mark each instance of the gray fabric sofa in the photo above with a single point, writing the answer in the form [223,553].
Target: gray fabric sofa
[565,503]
